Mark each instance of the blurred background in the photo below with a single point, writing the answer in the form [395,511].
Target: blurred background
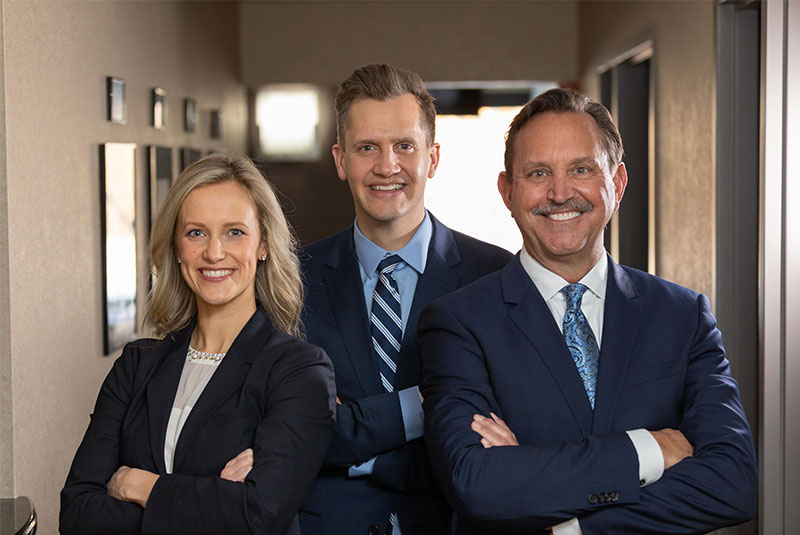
[705,93]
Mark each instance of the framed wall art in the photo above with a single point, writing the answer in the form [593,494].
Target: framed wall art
[189,114]
[159,118]
[118,225]
[115,100]
[159,160]
[189,156]
[215,124]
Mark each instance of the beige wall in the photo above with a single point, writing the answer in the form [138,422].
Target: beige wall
[684,62]
[6,413]
[322,42]
[57,56]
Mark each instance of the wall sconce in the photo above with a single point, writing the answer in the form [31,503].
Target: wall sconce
[287,121]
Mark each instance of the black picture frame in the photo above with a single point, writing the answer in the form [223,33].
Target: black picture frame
[116,108]
[189,114]
[215,124]
[189,156]
[159,115]
[118,232]
[159,171]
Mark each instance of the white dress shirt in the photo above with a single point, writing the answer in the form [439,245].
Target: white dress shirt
[651,460]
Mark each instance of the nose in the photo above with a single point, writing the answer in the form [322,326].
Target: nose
[387,164]
[214,250]
[560,188]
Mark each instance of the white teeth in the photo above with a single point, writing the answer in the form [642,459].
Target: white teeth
[563,216]
[216,273]
[390,187]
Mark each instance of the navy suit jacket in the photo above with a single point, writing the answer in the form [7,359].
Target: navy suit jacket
[494,346]
[271,392]
[369,422]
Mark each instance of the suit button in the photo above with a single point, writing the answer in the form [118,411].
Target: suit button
[614,496]
[593,498]
[373,530]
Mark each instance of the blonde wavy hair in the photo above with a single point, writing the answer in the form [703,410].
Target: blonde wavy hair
[171,303]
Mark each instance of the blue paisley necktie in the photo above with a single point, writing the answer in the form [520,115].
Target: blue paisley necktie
[580,339]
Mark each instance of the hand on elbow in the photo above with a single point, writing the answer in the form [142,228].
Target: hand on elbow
[237,468]
[131,485]
[494,431]
[674,446]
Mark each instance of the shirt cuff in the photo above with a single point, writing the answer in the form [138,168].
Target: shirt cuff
[411,410]
[364,469]
[570,527]
[651,460]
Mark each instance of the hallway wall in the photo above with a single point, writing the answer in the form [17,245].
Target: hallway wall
[684,62]
[322,42]
[57,56]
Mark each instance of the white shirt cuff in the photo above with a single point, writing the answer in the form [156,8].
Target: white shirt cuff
[570,527]
[651,460]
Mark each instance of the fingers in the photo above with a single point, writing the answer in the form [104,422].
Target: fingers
[493,432]
[237,468]
[338,401]
[114,485]
[674,446]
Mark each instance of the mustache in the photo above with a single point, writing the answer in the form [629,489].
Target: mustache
[570,205]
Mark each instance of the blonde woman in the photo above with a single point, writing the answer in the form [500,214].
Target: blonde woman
[221,425]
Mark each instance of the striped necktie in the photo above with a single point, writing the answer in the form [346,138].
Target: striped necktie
[580,339]
[385,322]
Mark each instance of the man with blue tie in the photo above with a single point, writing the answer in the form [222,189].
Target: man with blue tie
[583,396]
[365,288]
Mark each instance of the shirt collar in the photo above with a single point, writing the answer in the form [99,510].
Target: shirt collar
[549,284]
[414,253]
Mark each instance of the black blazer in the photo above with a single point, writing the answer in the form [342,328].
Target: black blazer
[369,422]
[271,392]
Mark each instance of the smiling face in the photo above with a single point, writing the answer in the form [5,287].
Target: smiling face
[386,159]
[562,193]
[218,242]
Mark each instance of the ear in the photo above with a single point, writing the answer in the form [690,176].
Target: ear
[338,159]
[434,153]
[262,249]
[505,187]
[620,182]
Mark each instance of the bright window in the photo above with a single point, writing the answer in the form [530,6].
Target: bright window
[463,194]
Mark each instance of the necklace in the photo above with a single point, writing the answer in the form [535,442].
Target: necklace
[194,354]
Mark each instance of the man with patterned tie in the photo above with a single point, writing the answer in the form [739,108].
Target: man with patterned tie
[365,288]
[566,393]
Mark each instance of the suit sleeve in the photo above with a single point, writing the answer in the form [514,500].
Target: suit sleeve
[506,487]
[718,486]
[85,505]
[288,450]
[365,428]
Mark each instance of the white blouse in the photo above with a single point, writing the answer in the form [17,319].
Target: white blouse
[197,372]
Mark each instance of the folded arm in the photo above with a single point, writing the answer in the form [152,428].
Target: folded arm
[288,449]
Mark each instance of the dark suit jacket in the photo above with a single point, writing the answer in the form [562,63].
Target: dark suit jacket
[271,392]
[494,346]
[369,422]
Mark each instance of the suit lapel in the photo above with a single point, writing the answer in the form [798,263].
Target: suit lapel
[346,299]
[536,323]
[620,325]
[161,394]
[439,279]
[226,381]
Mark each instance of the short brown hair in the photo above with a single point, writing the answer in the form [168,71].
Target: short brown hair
[566,100]
[278,286]
[382,82]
